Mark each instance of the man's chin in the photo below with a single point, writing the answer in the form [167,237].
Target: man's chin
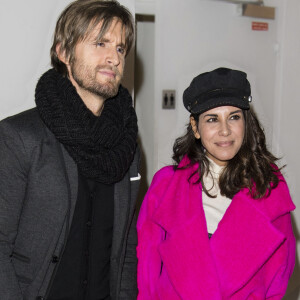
[108,92]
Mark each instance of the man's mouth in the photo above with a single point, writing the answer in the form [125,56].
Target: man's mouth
[108,73]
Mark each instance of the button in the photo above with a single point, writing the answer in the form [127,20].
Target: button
[85,282]
[55,259]
[92,196]
[89,223]
[40,298]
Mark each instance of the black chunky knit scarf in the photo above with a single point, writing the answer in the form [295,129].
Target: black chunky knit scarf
[103,147]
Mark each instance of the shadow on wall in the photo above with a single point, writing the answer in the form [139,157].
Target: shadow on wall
[144,185]
[293,290]
[138,82]
[128,76]
[133,83]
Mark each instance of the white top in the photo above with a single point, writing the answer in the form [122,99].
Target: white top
[214,208]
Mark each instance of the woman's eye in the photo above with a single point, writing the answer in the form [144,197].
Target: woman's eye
[100,44]
[235,117]
[211,120]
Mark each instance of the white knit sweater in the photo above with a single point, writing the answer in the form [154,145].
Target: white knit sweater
[214,208]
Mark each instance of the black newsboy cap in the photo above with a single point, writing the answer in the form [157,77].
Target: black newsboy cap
[219,87]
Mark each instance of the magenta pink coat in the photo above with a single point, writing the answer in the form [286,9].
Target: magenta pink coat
[251,255]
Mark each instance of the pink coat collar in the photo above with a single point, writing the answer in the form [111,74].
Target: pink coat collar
[223,257]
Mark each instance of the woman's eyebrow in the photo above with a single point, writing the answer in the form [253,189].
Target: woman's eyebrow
[210,115]
[216,115]
[236,111]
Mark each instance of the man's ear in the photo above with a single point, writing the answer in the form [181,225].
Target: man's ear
[61,54]
[194,128]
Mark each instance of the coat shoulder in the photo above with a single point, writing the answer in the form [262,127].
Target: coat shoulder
[158,187]
[27,125]
[24,121]
[162,178]
[277,203]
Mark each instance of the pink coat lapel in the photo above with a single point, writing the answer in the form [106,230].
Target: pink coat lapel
[244,240]
[186,252]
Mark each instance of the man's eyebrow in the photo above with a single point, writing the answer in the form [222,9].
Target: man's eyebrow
[122,45]
[103,39]
[106,40]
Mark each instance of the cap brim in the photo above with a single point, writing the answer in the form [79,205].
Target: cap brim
[222,101]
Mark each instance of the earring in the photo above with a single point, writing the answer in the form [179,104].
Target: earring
[197,135]
[194,128]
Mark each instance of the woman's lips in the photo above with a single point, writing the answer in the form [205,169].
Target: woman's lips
[224,144]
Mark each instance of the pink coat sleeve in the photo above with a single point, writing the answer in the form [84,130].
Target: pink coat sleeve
[150,236]
[285,258]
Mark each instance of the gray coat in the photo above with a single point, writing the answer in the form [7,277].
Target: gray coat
[38,192]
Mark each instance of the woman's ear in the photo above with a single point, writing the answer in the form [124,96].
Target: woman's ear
[194,128]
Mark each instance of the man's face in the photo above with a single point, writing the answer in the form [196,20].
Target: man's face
[97,67]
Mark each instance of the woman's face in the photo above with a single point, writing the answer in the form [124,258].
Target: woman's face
[221,130]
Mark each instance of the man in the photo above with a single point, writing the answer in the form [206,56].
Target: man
[69,168]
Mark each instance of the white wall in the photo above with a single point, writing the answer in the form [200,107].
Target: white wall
[144,92]
[26,29]
[287,122]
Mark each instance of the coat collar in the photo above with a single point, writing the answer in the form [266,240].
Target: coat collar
[244,240]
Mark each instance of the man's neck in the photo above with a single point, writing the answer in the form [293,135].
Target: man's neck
[93,102]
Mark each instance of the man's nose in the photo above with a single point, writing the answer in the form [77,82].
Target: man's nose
[113,57]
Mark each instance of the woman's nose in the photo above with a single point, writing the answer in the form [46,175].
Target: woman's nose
[224,129]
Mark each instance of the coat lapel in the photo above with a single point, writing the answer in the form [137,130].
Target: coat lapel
[121,212]
[189,263]
[71,173]
[186,252]
[246,238]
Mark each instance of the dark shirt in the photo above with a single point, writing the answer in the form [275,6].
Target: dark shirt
[83,271]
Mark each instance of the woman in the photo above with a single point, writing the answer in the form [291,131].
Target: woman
[217,224]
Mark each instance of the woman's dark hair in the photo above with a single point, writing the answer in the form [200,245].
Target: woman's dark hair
[253,167]
[79,19]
